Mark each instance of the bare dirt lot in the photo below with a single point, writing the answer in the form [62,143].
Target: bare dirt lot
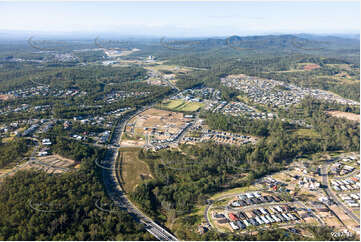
[5,97]
[52,164]
[159,124]
[349,116]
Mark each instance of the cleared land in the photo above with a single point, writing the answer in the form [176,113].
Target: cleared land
[173,68]
[159,124]
[52,164]
[134,170]
[349,116]
[310,66]
[5,97]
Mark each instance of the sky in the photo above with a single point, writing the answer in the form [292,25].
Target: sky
[183,19]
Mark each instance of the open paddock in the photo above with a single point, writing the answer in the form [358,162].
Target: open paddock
[346,115]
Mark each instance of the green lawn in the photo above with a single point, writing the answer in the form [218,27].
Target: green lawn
[173,104]
[181,105]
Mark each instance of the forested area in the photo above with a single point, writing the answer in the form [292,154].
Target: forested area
[184,180]
[84,77]
[38,206]
[244,125]
[13,151]
[71,149]
[278,142]
[336,133]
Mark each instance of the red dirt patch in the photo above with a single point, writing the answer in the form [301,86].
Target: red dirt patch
[5,97]
[311,67]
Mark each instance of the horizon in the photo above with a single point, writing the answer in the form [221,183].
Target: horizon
[84,36]
[180,19]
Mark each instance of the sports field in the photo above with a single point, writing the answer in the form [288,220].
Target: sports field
[182,106]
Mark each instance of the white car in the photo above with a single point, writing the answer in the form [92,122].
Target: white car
[233,225]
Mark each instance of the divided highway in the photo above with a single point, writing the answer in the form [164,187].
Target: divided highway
[115,191]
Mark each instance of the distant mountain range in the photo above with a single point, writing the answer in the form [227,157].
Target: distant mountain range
[301,41]
[7,34]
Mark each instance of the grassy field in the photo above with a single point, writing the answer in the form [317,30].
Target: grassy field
[235,191]
[134,170]
[307,133]
[174,104]
[180,105]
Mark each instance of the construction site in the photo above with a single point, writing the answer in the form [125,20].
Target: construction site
[155,126]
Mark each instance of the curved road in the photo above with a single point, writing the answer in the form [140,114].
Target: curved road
[116,193]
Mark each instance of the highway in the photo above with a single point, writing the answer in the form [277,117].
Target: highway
[330,194]
[115,191]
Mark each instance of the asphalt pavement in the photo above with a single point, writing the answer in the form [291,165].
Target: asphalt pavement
[332,195]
